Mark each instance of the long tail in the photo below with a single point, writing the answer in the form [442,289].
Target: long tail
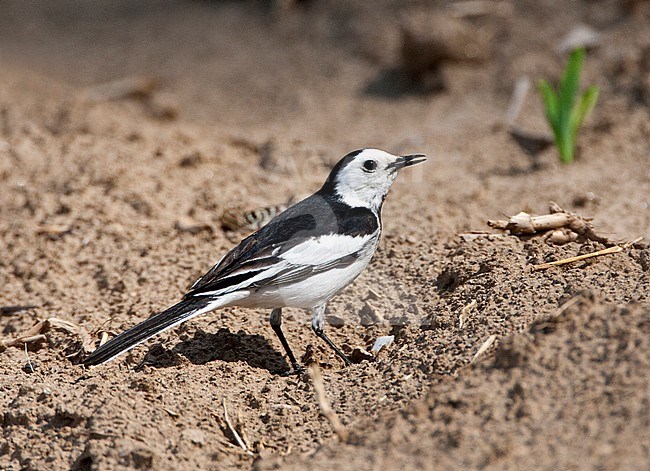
[181,312]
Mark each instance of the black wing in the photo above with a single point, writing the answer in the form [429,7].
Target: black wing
[318,215]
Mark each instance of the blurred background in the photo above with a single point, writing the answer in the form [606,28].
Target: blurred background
[338,73]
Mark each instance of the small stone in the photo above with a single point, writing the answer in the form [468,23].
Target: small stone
[194,435]
[360,354]
[335,321]
[369,315]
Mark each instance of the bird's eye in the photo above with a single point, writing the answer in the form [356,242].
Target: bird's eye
[370,166]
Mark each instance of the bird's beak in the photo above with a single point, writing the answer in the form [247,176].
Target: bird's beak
[407,161]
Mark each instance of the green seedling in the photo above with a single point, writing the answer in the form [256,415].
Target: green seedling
[563,113]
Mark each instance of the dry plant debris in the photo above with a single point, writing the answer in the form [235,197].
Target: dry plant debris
[484,347]
[37,333]
[597,253]
[560,226]
[465,313]
[324,404]
[236,436]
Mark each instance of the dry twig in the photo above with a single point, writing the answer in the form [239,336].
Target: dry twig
[465,313]
[33,335]
[323,402]
[483,348]
[232,430]
[608,250]
[103,338]
[37,333]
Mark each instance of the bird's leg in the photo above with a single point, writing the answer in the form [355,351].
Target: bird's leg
[318,324]
[276,325]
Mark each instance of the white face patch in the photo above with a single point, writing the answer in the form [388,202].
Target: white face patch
[365,181]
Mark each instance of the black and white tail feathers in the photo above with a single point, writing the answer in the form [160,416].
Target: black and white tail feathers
[184,310]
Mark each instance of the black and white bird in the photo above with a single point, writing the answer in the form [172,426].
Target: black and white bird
[301,258]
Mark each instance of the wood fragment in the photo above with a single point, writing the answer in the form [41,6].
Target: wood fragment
[54,231]
[465,313]
[561,236]
[5,344]
[524,223]
[574,300]
[572,227]
[171,412]
[323,402]
[483,348]
[103,338]
[242,430]
[32,335]
[232,430]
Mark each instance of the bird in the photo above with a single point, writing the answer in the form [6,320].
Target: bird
[301,258]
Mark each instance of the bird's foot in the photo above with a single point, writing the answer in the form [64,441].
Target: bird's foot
[297,370]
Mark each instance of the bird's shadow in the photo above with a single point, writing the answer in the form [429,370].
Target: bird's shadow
[223,345]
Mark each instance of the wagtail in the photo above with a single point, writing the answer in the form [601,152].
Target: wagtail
[302,258]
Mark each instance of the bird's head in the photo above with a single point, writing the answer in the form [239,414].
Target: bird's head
[363,177]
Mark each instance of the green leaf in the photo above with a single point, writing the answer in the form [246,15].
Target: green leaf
[569,88]
[583,108]
[566,146]
[550,101]
[563,113]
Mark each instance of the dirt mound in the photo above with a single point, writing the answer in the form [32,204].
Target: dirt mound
[569,393]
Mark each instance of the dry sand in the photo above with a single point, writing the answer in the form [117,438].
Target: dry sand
[110,208]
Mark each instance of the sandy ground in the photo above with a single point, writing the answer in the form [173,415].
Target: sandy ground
[110,206]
